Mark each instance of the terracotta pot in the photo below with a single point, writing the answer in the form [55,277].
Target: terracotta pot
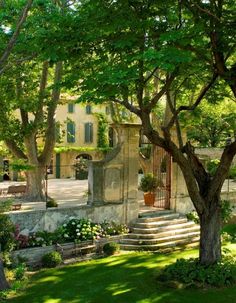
[149,198]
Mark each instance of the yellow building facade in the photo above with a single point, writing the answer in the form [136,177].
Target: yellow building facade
[77,136]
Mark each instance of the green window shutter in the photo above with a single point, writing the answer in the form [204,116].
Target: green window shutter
[57,132]
[88,109]
[70,132]
[88,132]
[71,107]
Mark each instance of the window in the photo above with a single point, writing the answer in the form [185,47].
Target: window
[58,132]
[88,132]
[88,109]
[71,108]
[70,132]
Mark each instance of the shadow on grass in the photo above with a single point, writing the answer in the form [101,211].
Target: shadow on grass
[128,278]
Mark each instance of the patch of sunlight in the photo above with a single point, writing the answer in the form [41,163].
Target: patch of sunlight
[117,289]
[52,301]
[119,292]
[116,262]
[158,298]
[50,279]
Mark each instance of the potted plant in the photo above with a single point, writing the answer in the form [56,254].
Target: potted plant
[81,169]
[148,185]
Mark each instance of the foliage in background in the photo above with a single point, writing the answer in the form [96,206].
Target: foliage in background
[226,213]
[20,165]
[230,231]
[102,131]
[64,149]
[211,126]
[212,166]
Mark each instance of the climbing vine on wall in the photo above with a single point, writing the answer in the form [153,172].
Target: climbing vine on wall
[102,131]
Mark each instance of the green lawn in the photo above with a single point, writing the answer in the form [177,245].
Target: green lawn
[126,278]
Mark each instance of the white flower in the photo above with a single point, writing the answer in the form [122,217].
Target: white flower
[73,223]
[64,225]
[66,236]
[78,234]
[71,218]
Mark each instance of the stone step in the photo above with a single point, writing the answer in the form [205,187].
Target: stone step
[159,223]
[154,213]
[160,246]
[158,218]
[161,234]
[159,240]
[155,230]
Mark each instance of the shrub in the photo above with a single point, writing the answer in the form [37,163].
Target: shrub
[229,233]
[226,211]
[51,259]
[112,228]
[192,273]
[193,216]
[7,228]
[148,183]
[41,238]
[51,203]
[81,230]
[111,248]
[20,271]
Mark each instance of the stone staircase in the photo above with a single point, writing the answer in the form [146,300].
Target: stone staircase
[161,230]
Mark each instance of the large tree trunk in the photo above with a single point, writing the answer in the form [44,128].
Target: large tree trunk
[210,240]
[3,282]
[35,186]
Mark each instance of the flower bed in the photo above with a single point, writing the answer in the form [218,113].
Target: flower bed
[33,256]
[73,230]
[71,238]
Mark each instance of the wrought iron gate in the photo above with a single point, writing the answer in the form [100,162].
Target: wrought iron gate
[162,170]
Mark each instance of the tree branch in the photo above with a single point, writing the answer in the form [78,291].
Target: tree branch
[157,97]
[42,87]
[150,75]
[128,105]
[201,95]
[14,37]
[16,151]
[50,132]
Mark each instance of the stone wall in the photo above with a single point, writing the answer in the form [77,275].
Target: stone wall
[211,153]
[184,205]
[51,218]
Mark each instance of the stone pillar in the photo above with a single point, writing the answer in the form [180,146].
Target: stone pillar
[115,179]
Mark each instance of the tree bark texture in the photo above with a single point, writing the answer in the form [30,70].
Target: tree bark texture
[210,237]
[3,282]
[35,186]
